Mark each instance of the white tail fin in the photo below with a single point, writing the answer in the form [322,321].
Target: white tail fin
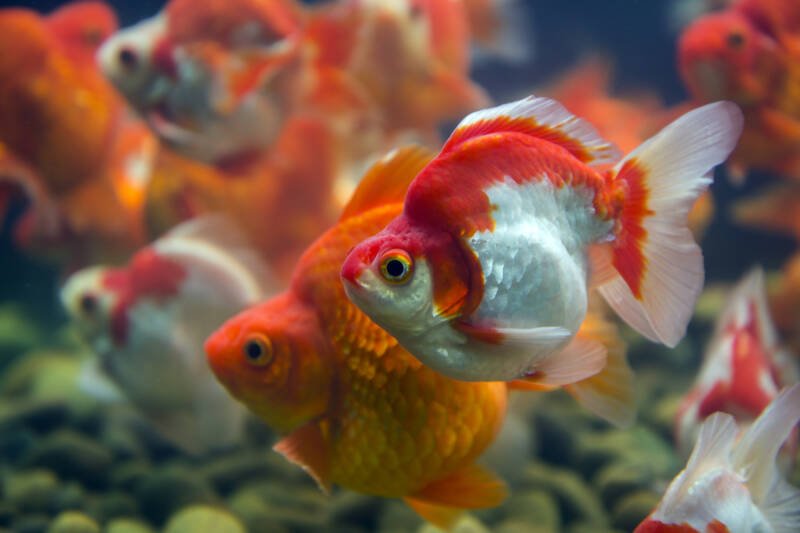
[659,265]
[755,456]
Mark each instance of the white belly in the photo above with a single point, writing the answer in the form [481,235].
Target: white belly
[534,261]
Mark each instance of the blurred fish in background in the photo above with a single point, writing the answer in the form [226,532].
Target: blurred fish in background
[146,323]
[68,148]
[731,481]
[744,366]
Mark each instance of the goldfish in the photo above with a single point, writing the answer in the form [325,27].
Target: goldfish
[731,482]
[68,148]
[146,322]
[485,275]
[411,57]
[744,366]
[179,71]
[734,55]
[354,407]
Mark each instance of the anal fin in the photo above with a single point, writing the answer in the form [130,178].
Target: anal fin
[472,487]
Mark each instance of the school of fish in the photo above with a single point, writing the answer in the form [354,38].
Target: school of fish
[253,211]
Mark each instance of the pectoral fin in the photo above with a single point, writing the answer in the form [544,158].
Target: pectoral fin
[308,448]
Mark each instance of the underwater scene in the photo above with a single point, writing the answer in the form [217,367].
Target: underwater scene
[393,266]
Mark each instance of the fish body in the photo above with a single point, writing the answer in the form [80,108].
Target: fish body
[731,483]
[146,323]
[744,367]
[485,275]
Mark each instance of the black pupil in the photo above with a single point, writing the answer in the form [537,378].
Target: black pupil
[88,304]
[395,268]
[128,57]
[253,350]
[735,40]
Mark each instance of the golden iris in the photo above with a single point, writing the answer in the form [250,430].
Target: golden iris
[396,266]
[258,350]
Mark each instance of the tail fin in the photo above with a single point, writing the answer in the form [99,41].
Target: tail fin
[658,264]
[755,455]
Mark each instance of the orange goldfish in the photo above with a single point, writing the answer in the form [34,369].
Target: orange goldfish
[411,56]
[732,55]
[281,199]
[62,121]
[359,410]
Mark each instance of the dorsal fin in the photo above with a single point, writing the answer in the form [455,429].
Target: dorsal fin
[542,118]
[386,181]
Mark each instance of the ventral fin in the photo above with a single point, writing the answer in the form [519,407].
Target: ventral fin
[542,118]
[308,448]
[472,487]
[386,181]
[578,360]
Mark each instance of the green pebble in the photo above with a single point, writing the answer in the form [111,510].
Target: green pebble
[535,507]
[73,522]
[199,518]
[617,480]
[73,456]
[466,523]
[30,490]
[514,525]
[127,525]
[164,492]
[576,499]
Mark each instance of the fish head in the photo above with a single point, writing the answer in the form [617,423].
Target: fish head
[722,56]
[90,304]
[82,27]
[389,278]
[274,359]
[139,62]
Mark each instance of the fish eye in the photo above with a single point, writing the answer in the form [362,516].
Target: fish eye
[88,304]
[396,266]
[258,350]
[735,39]
[128,58]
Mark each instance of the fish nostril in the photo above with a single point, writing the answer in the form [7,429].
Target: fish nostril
[128,58]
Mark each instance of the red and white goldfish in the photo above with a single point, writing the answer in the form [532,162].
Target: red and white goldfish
[147,321]
[731,483]
[749,54]
[208,77]
[356,408]
[744,366]
[485,275]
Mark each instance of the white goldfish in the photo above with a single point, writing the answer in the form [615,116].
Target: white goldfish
[731,483]
[147,321]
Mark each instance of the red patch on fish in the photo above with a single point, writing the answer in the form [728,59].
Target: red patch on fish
[148,275]
[629,259]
